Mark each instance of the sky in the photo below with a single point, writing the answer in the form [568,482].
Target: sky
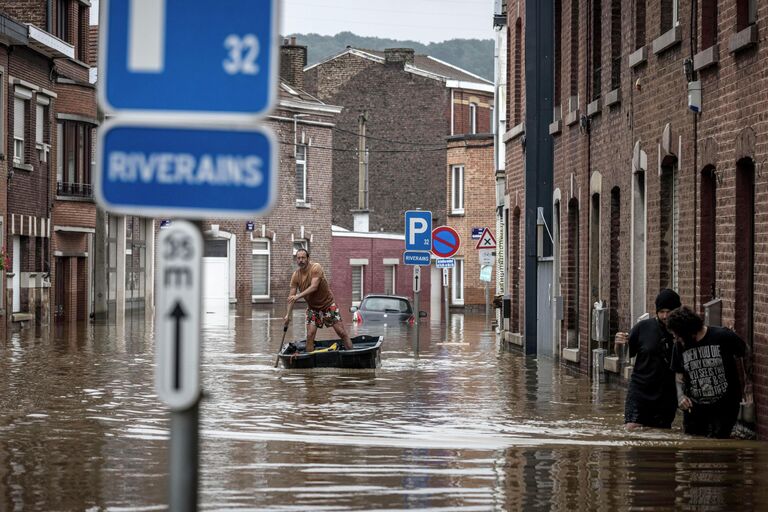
[425,21]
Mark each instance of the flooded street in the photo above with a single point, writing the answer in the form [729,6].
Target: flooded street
[464,426]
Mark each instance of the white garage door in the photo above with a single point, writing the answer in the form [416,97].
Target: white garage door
[216,282]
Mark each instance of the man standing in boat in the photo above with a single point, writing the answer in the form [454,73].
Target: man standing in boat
[322,311]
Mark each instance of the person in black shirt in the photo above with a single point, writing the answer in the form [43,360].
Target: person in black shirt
[651,399]
[707,362]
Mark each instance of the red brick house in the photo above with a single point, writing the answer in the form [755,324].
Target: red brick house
[653,186]
[52,110]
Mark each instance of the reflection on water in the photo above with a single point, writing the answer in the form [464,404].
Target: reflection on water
[461,427]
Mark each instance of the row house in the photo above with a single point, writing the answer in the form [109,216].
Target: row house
[659,144]
[51,116]
[246,262]
[391,150]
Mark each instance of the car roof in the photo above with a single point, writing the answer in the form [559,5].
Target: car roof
[383,296]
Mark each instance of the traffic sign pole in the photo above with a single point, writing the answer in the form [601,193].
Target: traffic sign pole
[178,282]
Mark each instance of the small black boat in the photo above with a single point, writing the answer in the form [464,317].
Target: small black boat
[365,354]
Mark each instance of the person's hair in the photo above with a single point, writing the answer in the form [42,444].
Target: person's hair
[302,249]
[684,322]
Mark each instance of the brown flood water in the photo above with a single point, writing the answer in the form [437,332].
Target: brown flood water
[464,427]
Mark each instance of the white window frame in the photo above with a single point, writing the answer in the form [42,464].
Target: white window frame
[301,195]
[473,118]
[457,200]
[354,267]
[300,243]
[268,253]
[41,120]
[19,131]
[457,283]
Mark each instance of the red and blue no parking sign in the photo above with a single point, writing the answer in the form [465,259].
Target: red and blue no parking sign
[445,242]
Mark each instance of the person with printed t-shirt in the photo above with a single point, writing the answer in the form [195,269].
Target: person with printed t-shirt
[309,280]
[651,400]
[707,362]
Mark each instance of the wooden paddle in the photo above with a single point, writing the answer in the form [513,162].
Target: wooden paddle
[280,348]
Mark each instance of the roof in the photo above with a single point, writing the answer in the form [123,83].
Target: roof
[295,98]
[424,65]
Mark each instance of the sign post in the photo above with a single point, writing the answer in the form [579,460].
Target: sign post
[178,282]
[418,243]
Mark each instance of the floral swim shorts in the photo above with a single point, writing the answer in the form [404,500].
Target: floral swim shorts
[324,317]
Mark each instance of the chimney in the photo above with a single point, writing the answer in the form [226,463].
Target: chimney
[293,58]
[398,56]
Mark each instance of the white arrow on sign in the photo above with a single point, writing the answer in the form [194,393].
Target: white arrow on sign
[416,279]
[146,38]
[177,318]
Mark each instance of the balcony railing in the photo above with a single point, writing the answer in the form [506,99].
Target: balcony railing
[74,189]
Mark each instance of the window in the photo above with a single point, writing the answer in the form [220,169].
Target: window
[597,46]
[301,243]
[41,128]
[708,23]
[615,44]
[62,20]
[301,173]
[73,162]
[357,284]
[83,23]
[19,129]
[639,23]
[669,14]
[260,268]
[574,75]
[390,278]
[457,283]
[457,189]
[746,13]
[473,118]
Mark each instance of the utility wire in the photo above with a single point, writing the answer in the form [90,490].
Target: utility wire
[388,140]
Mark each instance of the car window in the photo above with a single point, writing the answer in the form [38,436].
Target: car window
[386,303]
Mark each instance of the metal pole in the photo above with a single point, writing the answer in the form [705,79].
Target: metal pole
[418,320]
[445,295]
[184,459]
[487,310]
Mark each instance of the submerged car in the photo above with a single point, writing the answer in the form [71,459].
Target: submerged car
[388,309]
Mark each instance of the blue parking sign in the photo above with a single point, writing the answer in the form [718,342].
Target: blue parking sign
[189,56]
[418,230]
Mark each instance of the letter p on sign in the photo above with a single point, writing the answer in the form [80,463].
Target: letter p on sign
[418,230]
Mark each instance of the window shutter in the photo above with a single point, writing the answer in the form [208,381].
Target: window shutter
[39,123]
[18,118]
[260,284]
[389,278]
[357,283]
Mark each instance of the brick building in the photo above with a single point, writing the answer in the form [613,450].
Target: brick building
[391,155]
[471,197]
[406,104]
[52,114]
[250,262]
[648,194]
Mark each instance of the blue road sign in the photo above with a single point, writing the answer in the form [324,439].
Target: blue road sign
[445,242]
[159,170]
[188,56]
[418,230]
[416,258]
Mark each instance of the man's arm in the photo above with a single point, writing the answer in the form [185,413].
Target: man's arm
[683,402]
[313,286]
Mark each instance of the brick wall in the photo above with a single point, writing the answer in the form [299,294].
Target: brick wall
[475,153]
[400,106]
[461,112]
[375,250]
[596,161]
[515,166]
[286,219]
